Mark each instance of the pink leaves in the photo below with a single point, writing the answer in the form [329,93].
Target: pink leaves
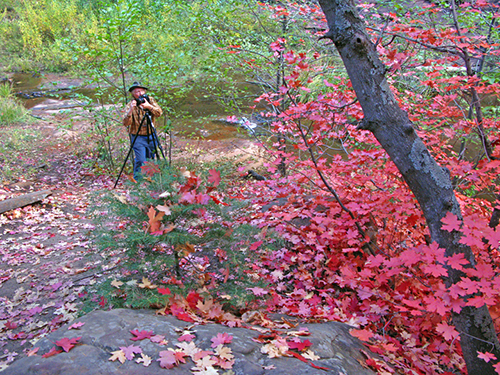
[448,332]
[130,351]
[141,335]
[76,325]
[214,177]
[168,359]
[221,339]
[486,356]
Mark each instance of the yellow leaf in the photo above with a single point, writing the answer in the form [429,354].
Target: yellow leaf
[165,209]
[185,172]
[116,283]
[145,359]
[120,197]
[118,355]
[309,354]
[224,352]
[146,284]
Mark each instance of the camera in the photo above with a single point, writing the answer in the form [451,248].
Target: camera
[142,99]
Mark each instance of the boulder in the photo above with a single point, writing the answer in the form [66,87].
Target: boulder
[104,332]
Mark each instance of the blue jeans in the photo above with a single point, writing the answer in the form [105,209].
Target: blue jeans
[143,150]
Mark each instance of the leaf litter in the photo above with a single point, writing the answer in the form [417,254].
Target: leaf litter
[47,259]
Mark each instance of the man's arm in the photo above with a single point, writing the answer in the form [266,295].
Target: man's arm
[127,118]
[153,107]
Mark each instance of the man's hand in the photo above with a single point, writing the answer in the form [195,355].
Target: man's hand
[133,104]
[146,106]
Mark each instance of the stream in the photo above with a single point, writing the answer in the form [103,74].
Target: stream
[205,119]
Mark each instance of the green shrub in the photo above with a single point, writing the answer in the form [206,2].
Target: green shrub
[11,111]
[195,245]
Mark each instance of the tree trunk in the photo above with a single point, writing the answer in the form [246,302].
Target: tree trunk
[430,183]
[23,200]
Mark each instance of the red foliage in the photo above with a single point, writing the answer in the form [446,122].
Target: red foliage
[356,246]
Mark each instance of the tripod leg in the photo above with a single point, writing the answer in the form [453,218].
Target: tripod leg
[128,154]
[156,141]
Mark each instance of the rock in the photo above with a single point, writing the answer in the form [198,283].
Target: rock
[105,332]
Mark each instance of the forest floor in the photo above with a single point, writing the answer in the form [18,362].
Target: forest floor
[47,255]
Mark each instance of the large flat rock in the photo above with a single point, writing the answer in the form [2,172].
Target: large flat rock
[105,332]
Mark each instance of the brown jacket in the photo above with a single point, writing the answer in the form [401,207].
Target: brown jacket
[133,121]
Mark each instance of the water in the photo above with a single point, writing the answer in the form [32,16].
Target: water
[205,118]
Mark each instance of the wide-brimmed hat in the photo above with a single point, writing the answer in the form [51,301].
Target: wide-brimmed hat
[136,85]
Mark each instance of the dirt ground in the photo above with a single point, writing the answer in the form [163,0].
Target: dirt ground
[47,255]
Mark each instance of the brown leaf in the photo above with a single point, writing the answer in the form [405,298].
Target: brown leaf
[154,220]
[185,249]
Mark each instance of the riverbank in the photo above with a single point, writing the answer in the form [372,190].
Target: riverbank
[47,256]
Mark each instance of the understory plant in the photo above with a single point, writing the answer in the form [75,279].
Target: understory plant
[11,111]
[170,237]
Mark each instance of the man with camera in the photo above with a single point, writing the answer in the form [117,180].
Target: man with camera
[140,114]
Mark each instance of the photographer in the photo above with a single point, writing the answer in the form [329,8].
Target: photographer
[136,109]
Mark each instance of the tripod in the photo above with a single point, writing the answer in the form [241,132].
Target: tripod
[150,132]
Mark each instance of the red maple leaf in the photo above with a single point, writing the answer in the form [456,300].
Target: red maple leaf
[51,352]
[186,337]
[180,313]
[214,177]
[163,291]
[362,334]
[456,261]
[103,301]
[141,335]
[150,168]
[450,222]
[435,270]
[255,245]
[67,344]
[448,332]
[486,356]
[179,356]
[299,345]
[76,325]
[192,299]
[221,339]
[189,197]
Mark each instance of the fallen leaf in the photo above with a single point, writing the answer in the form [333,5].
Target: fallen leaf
[141,335]
[76,325]
[309,354]
[67,344]
[146,284]
[185,249]
[165,209]
[186,337]
[32,352]
[145,359]
[116,283]
[163,291]
[130,351]
[189,348]
[224,352]
[167,359]
[154,220]
[118,355]
[221,339]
